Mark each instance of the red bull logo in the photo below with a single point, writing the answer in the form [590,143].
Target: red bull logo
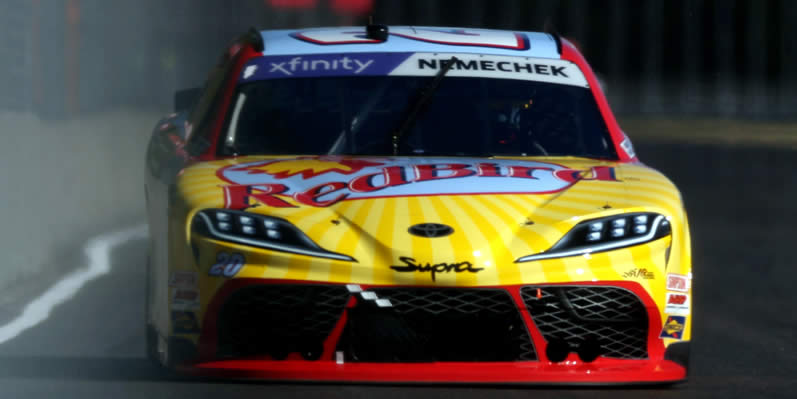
[325,181]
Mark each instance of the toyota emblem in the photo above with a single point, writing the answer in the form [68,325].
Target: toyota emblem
[430,230]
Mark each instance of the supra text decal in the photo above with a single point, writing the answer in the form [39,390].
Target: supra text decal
[410,265]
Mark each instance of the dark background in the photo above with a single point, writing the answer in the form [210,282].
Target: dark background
[730,58]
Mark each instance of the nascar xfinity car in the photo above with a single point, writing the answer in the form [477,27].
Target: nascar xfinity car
[411,204]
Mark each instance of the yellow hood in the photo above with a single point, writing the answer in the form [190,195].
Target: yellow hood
[500,209]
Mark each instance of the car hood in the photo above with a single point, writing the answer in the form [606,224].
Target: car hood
[498,209]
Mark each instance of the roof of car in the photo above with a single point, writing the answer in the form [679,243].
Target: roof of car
[353,39]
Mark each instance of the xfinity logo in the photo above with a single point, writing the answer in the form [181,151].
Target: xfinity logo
[297,64]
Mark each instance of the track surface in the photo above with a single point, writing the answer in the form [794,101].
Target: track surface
[742,209]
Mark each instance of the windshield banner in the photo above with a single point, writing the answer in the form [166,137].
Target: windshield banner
[413,64]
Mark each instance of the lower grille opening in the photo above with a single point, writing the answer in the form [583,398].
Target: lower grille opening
[277,320]
[425,325]
[592,320]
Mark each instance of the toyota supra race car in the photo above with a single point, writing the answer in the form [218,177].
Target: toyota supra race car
[411,204]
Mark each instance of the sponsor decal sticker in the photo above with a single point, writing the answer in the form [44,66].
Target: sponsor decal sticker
[184,322]
[414,64]
[320,65]
[183,279]
[185,299]
[322,181]
[410,266]
[627,146]
[677,282]
[639,273]
[674,327]
[227,265]
[677,304]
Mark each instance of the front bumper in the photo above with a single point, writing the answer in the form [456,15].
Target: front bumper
[571,371]
[626,357]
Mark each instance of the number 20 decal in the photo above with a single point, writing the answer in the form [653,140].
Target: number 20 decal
[227,265]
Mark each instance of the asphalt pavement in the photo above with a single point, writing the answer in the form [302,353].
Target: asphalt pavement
[741,204]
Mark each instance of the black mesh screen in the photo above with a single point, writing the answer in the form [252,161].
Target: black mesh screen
[279,319]
[614,316]
[437,324]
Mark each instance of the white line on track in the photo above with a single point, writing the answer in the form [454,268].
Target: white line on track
[98,251]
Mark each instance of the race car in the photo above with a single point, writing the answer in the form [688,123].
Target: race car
[411,204]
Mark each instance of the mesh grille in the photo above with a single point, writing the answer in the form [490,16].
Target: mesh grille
[478,324]
[613,315]
[290,317]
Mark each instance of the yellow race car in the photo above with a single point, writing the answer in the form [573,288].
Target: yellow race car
[411,204]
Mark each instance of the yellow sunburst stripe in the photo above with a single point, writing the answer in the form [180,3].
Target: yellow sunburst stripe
[494,221]
[205,198]
[303,217]
[555,270]
[540,215]
[449,212]
[478,238]
[403,244]
[620,192]
[422,247]
[620,262]
[586,268]
[656,191]
[515,216]
[210,202]
[202,184]
[528,213]
[324,234]
[385,233]
[443,248]
[646,199]
[642,259]
[646,173]
[369,254]
[353,240]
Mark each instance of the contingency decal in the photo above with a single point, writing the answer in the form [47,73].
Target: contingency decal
[184,322]
[677,282]
[227,265]
[674,327]
[413,64]
[322,181]
[627,146]
[183,280]
[677,304]
[639,273]
[451,37]
[185,299]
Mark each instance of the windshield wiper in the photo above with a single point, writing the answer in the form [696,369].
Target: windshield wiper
[425,94]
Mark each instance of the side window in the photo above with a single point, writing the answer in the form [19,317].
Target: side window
[202,115]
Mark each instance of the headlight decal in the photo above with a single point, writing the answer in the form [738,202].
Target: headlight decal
[605,234]
[259,231]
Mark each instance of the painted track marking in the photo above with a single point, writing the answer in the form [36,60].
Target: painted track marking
[98,251]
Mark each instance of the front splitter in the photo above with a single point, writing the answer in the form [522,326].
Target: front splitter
[602,371]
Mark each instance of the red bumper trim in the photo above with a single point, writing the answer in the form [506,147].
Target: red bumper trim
[603,370]
[570,371]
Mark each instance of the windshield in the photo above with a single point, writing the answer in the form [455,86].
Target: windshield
[466,116]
